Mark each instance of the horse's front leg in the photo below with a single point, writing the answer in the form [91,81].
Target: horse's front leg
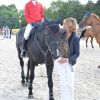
[49,68]
[22,69]
[27,76]
[87,41]
[32,67]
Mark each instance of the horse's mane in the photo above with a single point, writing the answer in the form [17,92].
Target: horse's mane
[97,17]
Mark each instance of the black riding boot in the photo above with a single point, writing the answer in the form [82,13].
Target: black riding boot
[24,52]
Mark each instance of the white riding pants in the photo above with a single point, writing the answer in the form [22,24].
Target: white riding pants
[4,33]
[66,81]
[8,33]
[27,31]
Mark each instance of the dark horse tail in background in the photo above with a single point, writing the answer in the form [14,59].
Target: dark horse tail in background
[41,48]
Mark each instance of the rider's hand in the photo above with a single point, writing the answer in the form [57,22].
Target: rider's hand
[42,20]
[33,23]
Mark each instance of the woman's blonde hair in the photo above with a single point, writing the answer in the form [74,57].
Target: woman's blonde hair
[71,23]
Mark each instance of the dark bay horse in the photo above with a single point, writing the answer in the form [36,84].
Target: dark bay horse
[41,48]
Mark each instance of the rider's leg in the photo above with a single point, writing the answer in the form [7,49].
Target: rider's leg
[26,36]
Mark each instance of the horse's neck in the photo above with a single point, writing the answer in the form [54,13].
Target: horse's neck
[95,22]
[95,26]
[41,38]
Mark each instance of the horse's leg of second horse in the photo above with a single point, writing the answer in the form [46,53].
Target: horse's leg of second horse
[87,41]
[92,42]
[22,65]
[49,68]
[32,68]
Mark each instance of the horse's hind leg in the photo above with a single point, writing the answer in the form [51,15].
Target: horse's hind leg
[50,82]
[92,42]
[32,68]
[22,65]
[28,68]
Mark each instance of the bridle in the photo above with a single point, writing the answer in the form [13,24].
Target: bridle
[48,48]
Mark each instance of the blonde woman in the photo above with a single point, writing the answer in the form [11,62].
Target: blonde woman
[68,58]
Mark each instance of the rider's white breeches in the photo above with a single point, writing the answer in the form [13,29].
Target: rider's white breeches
[27,31]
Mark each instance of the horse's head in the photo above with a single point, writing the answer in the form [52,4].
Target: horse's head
[52,33]
[87,20]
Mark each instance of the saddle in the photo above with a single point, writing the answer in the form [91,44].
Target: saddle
[37,27]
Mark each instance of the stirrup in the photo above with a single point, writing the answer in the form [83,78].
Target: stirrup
[24,53]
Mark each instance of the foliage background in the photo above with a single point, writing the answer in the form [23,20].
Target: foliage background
[9,15]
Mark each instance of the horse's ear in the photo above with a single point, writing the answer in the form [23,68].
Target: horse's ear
[87,13]
[46,19]
[59,20]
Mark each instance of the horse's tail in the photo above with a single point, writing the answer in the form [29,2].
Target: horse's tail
[17,42]
[19,38]
[83,33]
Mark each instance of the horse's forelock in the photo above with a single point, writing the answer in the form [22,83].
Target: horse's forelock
[50,21]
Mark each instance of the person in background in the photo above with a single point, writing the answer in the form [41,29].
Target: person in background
[4,32]
[69,52]
[7,32]
[34,13]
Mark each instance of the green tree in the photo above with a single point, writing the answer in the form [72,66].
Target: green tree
[97,8]
[22,18]
[70,8]
[90,6]
[9,16]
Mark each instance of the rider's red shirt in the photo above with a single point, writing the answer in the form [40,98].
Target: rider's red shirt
[34,13]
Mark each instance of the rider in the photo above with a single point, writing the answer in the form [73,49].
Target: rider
[34,12]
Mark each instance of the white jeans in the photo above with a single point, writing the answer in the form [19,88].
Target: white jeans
[27,31]
[66,81]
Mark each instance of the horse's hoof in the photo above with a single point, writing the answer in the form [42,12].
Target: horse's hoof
[30,96]
[51,98]
[98,66]
[23,83]
[27,84]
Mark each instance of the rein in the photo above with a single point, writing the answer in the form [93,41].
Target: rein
[44,53]
[48,49]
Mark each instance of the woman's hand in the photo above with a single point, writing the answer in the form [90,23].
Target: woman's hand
[62,60]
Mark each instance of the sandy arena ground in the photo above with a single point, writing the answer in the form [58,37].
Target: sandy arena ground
[87,76]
